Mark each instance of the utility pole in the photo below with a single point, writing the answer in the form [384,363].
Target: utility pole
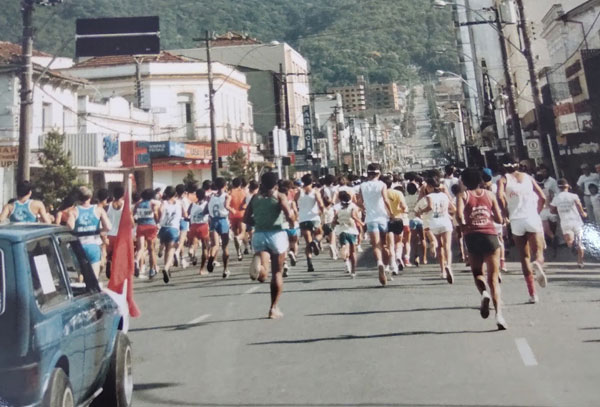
[512,105]
[26,119]
[533,79]
[214,169]
[138,81]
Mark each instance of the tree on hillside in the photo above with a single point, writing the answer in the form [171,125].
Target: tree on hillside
[58,177]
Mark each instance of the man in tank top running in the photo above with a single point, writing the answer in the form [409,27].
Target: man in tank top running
[146,215]
[219,208]
[24,209]
[310,206]
[522,200]
[266,211]
[171,213]
[88,221]
[477,210]
[236,217]
[570,211]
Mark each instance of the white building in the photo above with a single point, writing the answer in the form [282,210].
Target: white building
[331,135]
[239,51]
[175,91]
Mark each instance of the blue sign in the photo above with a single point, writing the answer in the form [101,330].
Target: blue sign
[110,146]
[158,149]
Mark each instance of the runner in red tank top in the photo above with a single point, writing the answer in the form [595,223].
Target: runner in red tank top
[236,217]
[477,210]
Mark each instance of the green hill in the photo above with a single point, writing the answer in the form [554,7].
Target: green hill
[380,39]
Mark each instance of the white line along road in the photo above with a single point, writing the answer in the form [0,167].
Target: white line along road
[526,352]
[199,319]
[251,290]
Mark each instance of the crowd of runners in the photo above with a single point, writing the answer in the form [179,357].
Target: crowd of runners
[407,220]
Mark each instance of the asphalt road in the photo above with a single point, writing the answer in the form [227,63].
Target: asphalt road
[205,341]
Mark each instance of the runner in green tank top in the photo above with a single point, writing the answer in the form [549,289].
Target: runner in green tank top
[266,213]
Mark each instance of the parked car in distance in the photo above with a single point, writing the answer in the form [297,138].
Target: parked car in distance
[64,340]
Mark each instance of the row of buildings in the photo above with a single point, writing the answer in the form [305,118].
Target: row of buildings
[547,56]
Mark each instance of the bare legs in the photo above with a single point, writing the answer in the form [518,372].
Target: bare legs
[277,261]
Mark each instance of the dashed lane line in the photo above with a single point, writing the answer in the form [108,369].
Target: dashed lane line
[199,319]
[526,353]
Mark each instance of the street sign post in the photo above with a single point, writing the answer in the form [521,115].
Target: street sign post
[534,148]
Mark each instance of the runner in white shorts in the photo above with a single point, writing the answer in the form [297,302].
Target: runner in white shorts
[522,200]
[570,210]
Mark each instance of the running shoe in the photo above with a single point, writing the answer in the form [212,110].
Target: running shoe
[382,276]
[416,261]
[226,273]
[500,322]
[310,265]
[246,251]
[406,261]
[166,276]
[210,266]
[333,252]
[484,309]
[316,249]
[194,260]
[254,267]
[184,263]
[240,256]
[503,266]
[292,257]
[534,299]
[395,271]
[449,275]
[143,277]
[359,249]
[540,276]
[348,266]
[400,264]
[285,269]
[580,265]
[152,273]
[136,269]
[175,260]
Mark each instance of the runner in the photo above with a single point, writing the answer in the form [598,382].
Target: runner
[570,211]
[252,190]
[171,214]
[236,217]
[587,178]
[199,229]
[184,227]
[24,209]
[310,206]
[416,235]
[440,206]
[329,195]
[146,214]
[266,212]
[287,188]
[549,219]
[345,222]
[522,200]
[373,198]
[595,197]
[492,186]
[114,212]
[477,211]
[219,208]
[396,225]
[87,221]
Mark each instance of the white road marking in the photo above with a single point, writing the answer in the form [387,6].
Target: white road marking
[251,290]
[199,319]
[526,353]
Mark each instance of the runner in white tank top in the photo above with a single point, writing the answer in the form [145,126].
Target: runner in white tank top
[517,193]
[570,211]
[373,199]
[171,213]
[346,223]
[439,207]
[310,207]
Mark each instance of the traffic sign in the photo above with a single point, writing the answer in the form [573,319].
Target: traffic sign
[534,148]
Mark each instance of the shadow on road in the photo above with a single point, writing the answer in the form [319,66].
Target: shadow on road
[376,336]
[184,327]
[388,311]
[153,386]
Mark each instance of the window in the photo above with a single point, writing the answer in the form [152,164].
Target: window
[48,282]
[46,116]
[76,266]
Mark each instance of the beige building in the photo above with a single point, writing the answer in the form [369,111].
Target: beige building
[353,97]
[383,96]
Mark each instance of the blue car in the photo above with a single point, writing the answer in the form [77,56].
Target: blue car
[63,339]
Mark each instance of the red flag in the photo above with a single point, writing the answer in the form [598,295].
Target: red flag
[123,257]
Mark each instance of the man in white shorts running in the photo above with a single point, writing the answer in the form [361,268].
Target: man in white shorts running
[522,200]
[569,209]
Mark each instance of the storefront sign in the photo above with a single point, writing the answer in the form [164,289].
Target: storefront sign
[110,148]
[308,136]
[8,155]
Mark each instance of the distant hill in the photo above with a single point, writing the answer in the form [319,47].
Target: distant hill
[380,39]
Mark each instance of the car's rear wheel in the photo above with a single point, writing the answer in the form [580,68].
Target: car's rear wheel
[60,392]
[118,385]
